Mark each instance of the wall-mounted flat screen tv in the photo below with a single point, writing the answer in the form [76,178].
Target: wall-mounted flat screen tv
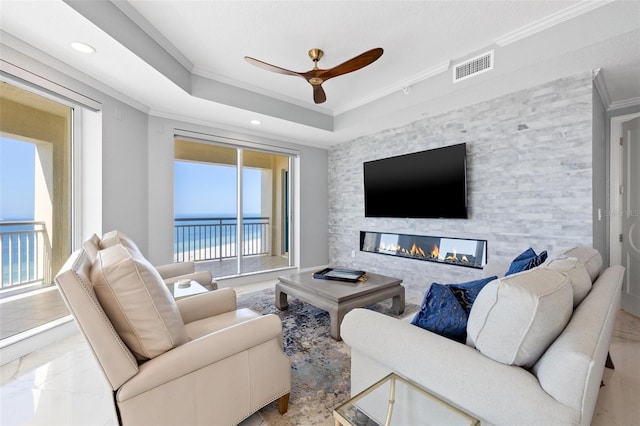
[426,184]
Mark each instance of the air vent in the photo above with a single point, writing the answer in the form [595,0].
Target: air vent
[473,67]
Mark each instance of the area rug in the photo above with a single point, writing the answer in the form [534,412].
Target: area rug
[320,366]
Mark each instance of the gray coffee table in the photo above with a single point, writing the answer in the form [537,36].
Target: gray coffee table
[339,297]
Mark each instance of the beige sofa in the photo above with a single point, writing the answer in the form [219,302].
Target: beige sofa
[195,361]
[530,378]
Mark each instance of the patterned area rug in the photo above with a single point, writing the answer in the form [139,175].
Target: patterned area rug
[320,375]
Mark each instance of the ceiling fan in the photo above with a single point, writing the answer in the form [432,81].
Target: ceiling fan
[317,76]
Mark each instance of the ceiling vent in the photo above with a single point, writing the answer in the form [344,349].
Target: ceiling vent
[473,67]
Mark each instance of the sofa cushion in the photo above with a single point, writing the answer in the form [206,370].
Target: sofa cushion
[577,274]
[526,260]
[466,293]
[137,302]
[588,256]
[115,237]
[514,319]
[442,314]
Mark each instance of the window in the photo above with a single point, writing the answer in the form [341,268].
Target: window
[35,205]
[223,195]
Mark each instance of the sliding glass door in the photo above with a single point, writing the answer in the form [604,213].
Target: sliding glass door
[231,208]
[35,207]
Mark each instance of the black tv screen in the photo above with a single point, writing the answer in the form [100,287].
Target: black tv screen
[426,184]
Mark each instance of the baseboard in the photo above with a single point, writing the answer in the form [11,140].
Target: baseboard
[15,347]
[256,277]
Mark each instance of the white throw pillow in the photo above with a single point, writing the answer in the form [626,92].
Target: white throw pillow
[137,301]
[116,237]
[514,319]
[590,257]
[577,273]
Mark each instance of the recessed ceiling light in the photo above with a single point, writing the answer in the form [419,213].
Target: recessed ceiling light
[256,122]
[82,47]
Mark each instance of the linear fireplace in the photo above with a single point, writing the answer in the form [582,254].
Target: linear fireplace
[450,251]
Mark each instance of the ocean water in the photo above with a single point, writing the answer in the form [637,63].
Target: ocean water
[18,253]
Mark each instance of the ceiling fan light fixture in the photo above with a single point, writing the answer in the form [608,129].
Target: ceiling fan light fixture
[82,47]
[316,76]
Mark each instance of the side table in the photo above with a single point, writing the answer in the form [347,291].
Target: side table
[395,400]
[192,289]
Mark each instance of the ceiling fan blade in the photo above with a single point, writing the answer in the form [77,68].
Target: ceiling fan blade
[318,94]
[353,64]
[265,66]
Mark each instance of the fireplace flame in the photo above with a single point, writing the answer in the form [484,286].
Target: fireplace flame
[416,251]
[435,252]
[454,256]
[464,258]
[391,248]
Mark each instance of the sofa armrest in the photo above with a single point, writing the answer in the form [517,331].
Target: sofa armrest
[200,353]
[174,269]
[494,392]
[495,268]
[206,305]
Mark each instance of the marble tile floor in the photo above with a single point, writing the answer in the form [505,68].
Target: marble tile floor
[60,384]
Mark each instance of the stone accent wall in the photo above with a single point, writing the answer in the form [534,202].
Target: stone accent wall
[529,171]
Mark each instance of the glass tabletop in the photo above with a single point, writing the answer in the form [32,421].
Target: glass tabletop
[395,400]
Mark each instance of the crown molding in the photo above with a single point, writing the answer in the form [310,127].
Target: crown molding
[408,82]
[550,21]
[601,87]
[235,83]
[631,102]
[135,16]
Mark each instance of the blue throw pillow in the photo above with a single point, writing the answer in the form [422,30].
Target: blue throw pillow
[441,313]
[466,293]
[526,260]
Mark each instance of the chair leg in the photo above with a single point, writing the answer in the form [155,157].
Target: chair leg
[609,362]
[283,404]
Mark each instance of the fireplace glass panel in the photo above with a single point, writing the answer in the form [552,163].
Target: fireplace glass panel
[454,251]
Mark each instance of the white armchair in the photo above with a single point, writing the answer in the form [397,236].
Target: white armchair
[198,360]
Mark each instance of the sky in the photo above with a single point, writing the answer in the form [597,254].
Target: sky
[200,189]
[206,190]
[17,171]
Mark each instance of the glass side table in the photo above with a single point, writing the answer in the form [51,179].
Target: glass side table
[395,400]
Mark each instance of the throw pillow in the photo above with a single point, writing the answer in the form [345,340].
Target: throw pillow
[442,314]
[577,273]
[137,302]
[113,238]
[514,319]
[466,293]
[526,260]
[588,256]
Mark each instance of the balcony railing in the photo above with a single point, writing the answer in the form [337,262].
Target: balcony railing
[25,254]
[209,238]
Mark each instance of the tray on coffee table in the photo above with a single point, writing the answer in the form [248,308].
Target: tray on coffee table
[338,274]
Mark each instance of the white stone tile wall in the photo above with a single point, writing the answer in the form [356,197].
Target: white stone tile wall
[529,170]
